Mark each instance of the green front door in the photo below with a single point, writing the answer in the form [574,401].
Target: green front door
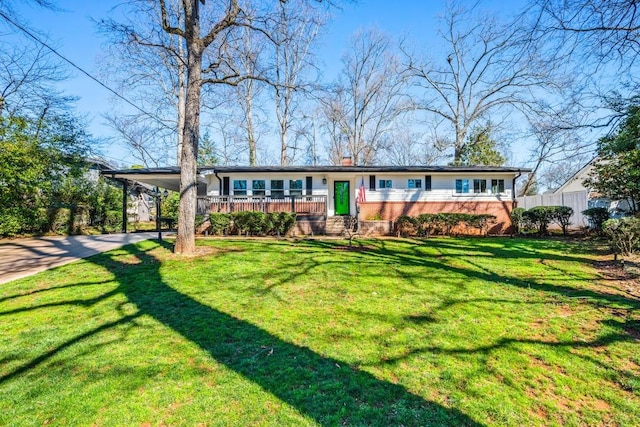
[341,197]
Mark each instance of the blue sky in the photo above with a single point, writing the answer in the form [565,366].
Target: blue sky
[73,32]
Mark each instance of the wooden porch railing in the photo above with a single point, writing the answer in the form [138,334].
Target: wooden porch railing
[302,205]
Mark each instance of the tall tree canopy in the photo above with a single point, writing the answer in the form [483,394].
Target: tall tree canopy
[617,170]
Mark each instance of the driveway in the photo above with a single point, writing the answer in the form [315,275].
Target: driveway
[24,257]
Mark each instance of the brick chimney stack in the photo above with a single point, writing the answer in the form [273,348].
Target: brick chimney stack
[346,161]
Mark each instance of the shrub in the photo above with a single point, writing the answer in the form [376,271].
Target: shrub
[112,220]
[406,226]
[220,223]
[518,220]
[171,205]
[59,219]
[623,234]
[429,224]
[248,222]
[597,217]
[451,221]
[284,223]
[257,223]
[480,222]
[10,222]
[561,215]
[539,217]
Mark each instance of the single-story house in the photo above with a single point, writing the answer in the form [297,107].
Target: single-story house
[325,193]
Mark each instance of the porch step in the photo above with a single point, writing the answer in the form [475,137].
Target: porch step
[337,225]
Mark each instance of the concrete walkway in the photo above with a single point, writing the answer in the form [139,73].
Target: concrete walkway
[24,257]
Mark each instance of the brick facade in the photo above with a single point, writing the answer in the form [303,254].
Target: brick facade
[390,211]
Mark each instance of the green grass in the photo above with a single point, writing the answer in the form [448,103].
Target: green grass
[454,332]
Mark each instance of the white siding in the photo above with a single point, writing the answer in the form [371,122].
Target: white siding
[442,186]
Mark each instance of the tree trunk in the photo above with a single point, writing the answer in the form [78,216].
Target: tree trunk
[185,241]
[253,157]
[182,78]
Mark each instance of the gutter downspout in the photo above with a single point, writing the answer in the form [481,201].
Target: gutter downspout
[215,172]
[513,186]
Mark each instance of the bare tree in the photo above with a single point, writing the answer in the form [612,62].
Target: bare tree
[407,144]
[603,31]
[489,70]
[296,27]
[147,143]
[150,66]
[27,80]
[557,146]
[247,48]
[369,96]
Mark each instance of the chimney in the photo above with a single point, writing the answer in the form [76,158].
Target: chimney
[346,161]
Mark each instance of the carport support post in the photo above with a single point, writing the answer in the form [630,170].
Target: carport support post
[124,205]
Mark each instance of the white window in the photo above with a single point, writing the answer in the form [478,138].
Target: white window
[277,188]
[462,185]
[258,187]
[497,186]
[239,187]
[479,185]
[385,183]
[414,184]
[295,187]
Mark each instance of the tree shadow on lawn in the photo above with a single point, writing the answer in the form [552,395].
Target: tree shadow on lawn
[321,388]
[413,256]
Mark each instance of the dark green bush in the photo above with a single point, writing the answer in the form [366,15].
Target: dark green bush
[540,217]
[481,222]
[442,223]
[518,220]
[112,221]
[597,217]
[281,222]
[247,222]
[429,224]
[11,222]
[561,215]
[220,223]
[59,219]
[259,224]
[406,226]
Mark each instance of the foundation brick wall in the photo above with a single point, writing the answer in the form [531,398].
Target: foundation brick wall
[390,211]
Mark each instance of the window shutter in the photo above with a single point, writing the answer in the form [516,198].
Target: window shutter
[225,185]
[372,182]
[309,185]
[427,183]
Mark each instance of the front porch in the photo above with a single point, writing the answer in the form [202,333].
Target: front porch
[304,206]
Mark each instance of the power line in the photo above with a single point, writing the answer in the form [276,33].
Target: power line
[77,67]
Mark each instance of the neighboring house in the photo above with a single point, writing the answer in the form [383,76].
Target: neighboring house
[574,194]
[321,193]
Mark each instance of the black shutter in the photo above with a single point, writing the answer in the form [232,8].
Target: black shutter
[372,182]
[225,185]
[427,183]
[309,185]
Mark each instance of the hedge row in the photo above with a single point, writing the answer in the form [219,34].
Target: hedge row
[443,223]
[540,217]
[251,223]
[14,221]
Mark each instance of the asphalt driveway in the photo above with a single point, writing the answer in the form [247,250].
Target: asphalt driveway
[24,257]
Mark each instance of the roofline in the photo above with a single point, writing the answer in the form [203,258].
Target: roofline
[575,175]
[318,169]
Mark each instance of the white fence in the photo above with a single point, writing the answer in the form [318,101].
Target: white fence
[577,200]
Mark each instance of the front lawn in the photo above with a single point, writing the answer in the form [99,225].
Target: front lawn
[493,331]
